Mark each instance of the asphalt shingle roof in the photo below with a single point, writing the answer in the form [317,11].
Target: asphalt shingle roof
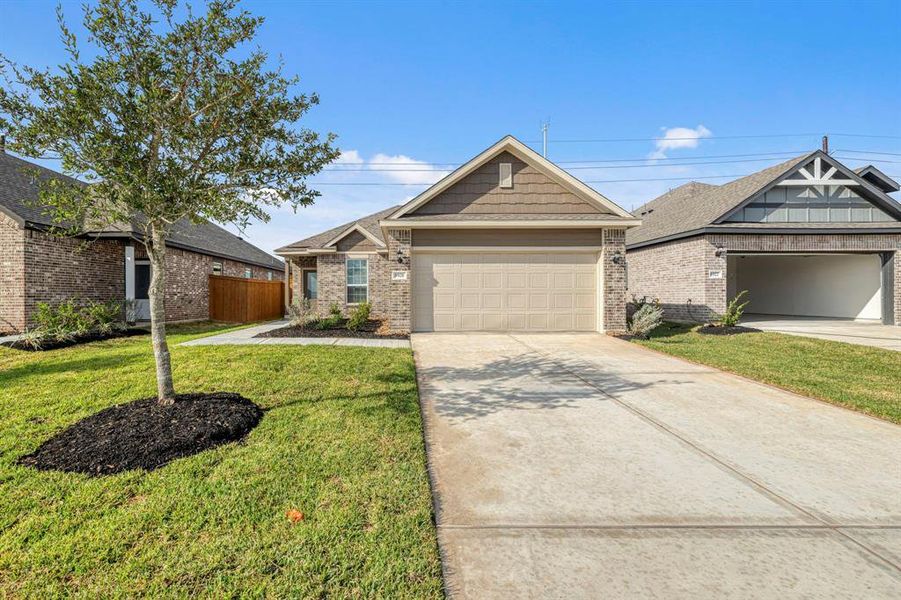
[696,205]
[19,196]
[370,223]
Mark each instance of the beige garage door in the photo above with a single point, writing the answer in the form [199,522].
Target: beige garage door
[471,291]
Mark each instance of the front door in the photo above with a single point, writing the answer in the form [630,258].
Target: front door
[142,290]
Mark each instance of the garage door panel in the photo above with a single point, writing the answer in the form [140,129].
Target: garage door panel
[470,301]
[537,291]
[517,281]
[539,280]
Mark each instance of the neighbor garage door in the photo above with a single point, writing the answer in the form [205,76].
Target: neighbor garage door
[469,291]
[814,285]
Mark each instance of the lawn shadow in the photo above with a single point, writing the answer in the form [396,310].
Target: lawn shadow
[530,381]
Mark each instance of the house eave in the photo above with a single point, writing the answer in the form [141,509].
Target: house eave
[763,231]
[525,224]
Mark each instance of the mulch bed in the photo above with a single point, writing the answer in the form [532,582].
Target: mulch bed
[720,330]
[82,339]
[369,330]
[145,435]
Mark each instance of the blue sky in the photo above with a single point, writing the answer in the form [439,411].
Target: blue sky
[404,83]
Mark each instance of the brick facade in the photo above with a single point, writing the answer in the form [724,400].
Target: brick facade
[614,280]
[12,276]
[59,269]
[36,266]
[678,273]
[187,281]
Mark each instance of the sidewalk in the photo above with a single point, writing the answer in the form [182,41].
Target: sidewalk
[246,337]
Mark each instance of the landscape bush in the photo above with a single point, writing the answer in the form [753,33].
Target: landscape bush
[69,320]
[734,310]
[359,316]
[300,312]
[646,318]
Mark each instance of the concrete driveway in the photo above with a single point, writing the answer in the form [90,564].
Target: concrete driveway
[862,333]
[580,466]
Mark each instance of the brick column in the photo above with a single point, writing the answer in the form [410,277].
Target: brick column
[400,298]
[715,289]
[897,261]
[614,314]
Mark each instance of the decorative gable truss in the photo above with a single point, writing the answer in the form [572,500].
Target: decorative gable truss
[820,190]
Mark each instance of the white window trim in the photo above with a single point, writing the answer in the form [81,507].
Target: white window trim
[221,268]
[347,286]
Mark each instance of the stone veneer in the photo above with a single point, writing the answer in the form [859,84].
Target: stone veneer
[677,273]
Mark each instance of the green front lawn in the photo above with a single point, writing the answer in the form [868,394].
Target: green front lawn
[859,377]
[341,442]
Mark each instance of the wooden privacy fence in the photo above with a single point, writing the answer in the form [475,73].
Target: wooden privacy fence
[239,300]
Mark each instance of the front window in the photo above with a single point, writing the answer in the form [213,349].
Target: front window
[310,285]
[248,273]
[269,275]
[217,268]
[357,280]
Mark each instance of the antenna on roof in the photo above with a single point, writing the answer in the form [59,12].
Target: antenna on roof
[544,127]
[826,144]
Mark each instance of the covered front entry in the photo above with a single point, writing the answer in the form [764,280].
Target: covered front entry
[501,291]
[846,286]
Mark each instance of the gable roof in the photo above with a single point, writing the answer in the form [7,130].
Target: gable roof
[368,224]
[521,151]
[689,209]
[20,196]
[878,178]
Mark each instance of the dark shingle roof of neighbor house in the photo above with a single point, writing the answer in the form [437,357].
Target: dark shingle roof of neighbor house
[370,223]
[693,207]
[19,196]
[696,205]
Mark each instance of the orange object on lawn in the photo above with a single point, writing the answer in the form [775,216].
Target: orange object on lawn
[294,515]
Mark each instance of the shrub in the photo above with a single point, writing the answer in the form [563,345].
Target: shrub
[300,312]
[334,310]
[646,319]
[329,322]
[734,311]
[72,319]
[359,316]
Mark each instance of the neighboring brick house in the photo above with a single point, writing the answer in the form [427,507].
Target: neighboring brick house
[508,241]
[808,237]
[38,266]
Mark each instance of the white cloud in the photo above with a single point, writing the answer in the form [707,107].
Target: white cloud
[404,169]
[679,137]
[348,156]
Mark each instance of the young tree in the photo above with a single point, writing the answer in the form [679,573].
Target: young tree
[170,119]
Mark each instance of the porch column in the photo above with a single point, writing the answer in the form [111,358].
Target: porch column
[400,279]
[613,265]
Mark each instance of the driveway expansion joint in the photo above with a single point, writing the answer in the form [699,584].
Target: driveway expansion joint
[760,486]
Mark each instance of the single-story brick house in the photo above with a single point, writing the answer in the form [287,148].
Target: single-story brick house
[508,241]
[38,266]
[808,237]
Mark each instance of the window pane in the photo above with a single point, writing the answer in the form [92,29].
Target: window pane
[819,215]
[839,215]
[356,271]
[356,294]
[142,281]
[860,215]
[311,285]
[755,215]
[797,215]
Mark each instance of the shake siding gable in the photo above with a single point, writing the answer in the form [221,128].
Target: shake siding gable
[532,192]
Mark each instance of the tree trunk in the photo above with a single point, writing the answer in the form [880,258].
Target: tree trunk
[156,250]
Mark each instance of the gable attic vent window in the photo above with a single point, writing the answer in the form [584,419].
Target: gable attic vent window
[506,175]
